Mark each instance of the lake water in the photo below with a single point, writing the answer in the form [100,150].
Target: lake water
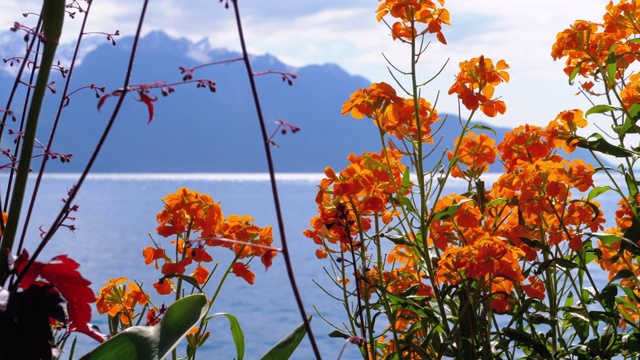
[117,211]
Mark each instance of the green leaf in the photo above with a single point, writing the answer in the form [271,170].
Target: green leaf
[608,297]
[498,201]
[398,239]
[449,210]
[606,238]
[338,334]
[631,342]
[406,180]
[622,274]
[625,243]
[154,342]
[529,341]
[575,72]
[285,347]
[599,109]
[597,191]
[604,316]
[569,300]
[632,185]
[626,128]
[559,262]
[612,68]
[634,111]
[483,127]
[597,143]
[406,203]
[236,332]
[191,280]
[580,325]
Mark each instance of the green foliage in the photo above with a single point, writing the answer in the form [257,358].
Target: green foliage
[154,342]
[287,345]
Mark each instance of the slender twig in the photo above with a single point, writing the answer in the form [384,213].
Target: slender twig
[47,150]
[74,192]
[274,187]
[52,15]
[10,101]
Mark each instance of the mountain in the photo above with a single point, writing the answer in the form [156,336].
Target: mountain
[195,130]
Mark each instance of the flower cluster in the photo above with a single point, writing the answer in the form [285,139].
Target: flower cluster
[476,152]
[197,223]
[410,13]
[595,49]
[119,298]
[476,82]
[348,201]
[392,114]
[506,267]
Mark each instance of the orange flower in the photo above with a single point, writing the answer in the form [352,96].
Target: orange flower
[152,317]
[630,94]
[107,301]
[165,287]
[267,258]
[321,253]
[242,270]
[152,254]
[410,12]
[176,268]
[391,113]
[501,299]
[200,274]
[535,288]
[5,216]
[188,210]
[348,201]
[587,46]
[486,258]
[476,82]
[476,152]
[366,102]
[561,130]
[199,254]
[246,234]
[624,215]
[120,300]
[524,144]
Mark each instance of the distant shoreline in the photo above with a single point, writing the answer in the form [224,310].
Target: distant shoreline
[599,179]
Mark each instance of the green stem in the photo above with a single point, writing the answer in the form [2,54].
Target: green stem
[53,12]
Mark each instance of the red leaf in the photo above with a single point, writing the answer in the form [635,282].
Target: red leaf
[148,100]
[61,271]
[102,100]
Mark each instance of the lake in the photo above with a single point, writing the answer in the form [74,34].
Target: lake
[118,212]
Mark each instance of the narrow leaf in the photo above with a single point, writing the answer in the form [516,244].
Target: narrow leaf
[154,342]
[285,347]
[338,334]
[483,127]
[599,109]
[148,100]
[598,190]
[236,332]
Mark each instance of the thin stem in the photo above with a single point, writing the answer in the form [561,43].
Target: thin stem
[43,164]
[52,20]
[274,188]
[65,208]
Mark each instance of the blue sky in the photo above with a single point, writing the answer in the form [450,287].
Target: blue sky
[346,33]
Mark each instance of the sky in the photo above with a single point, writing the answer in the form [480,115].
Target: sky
[345,32]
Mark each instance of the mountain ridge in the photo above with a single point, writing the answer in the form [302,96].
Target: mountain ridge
[196,131]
